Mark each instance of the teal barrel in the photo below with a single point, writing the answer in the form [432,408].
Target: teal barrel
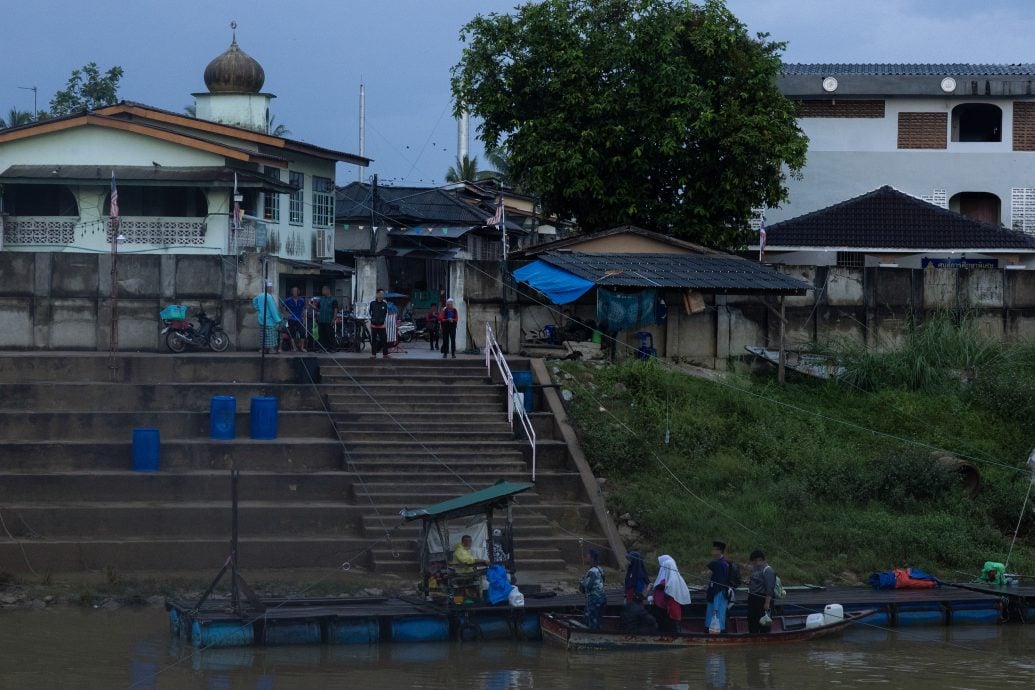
[348,631]
[420,629]
[523,384]
[222,634]
[146,445]
[222,417]
[292,632]
[264,419]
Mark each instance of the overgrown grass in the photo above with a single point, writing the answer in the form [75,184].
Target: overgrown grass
[833,482]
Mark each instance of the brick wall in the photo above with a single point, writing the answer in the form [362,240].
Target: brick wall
[1023,126]
[923,130]
[834,108]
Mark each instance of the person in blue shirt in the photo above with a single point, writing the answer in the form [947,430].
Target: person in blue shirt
[325,314]
[718,587]
[269,319]
[592,585]
[296,308]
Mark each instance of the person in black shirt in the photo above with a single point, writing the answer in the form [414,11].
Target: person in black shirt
[378,333]
[636,619]
[449,317]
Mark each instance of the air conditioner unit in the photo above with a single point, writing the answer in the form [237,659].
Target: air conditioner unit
[323,247]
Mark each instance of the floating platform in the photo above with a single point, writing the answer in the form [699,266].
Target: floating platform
[373,620]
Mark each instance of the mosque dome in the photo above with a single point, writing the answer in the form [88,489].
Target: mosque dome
[234,72]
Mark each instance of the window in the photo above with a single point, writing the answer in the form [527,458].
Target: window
[323,202]
[296,200]
[38,200]
[980,206]
[977,122]
[189,202]
[851,259]
[271,200]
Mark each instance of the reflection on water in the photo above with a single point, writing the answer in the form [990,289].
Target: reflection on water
[132,648]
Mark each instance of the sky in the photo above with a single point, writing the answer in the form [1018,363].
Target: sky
[317,52]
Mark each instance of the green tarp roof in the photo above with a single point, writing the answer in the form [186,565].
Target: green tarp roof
[463,505]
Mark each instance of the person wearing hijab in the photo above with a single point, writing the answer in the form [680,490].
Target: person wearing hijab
[669,595]
[636,578]
[592,585]
[269,319]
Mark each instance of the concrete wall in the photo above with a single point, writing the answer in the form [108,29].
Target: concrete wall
[62,301]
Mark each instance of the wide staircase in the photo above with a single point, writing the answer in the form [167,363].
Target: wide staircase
[372,438]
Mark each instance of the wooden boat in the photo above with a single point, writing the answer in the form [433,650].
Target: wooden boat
[570,631]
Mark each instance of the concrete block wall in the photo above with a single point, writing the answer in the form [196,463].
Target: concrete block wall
[62,301]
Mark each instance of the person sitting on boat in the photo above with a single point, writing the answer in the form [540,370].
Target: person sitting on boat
[635,618]
[719,587]
[669,595]
[463,559]
[761,590]
[592,585]
[635,576]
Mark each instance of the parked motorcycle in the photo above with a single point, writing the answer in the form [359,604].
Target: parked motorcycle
[351,332]
[407,331]
[180,334]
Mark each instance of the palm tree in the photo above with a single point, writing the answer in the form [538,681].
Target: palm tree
[278,130]
[191,110]
[466,170]
[500,162]
[16,118]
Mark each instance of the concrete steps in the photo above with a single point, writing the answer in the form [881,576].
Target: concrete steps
[151,397]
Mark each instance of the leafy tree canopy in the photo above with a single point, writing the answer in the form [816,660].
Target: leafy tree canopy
[659,113]
[87,90]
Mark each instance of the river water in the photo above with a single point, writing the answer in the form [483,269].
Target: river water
[72,648]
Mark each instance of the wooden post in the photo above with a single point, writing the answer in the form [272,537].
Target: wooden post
[781,369]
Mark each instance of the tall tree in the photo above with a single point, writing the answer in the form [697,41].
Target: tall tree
[87,89]
[660,113]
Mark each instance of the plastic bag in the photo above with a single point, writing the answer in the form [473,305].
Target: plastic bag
[516,598]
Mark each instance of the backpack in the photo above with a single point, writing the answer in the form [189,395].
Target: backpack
[779,591]
[735,579]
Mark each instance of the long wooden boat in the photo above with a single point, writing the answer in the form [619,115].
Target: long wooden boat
[570,631]
[817,366]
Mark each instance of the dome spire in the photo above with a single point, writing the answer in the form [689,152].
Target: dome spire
[234,71]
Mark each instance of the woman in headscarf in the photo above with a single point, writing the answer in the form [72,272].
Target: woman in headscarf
[269,319]
[636,578]
[669,595]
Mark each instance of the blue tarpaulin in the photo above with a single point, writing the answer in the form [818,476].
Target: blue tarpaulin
[558,285]
[622,311]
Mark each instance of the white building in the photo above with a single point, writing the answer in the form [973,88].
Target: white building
[175,176]
[960,136]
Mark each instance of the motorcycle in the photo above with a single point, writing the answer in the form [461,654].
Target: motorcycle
[351,332]
[180,334]
[408,331]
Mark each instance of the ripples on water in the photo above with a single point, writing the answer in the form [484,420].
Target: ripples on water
[97,649]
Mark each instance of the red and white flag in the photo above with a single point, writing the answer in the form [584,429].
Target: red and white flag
[114,213]
[237,206]
[497,218]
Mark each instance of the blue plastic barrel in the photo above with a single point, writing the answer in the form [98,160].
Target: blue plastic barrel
[420,629]
[264,419]
[523,384]
[292,632]
[222,417]
[551,333]
[363,631]
[146,443]
[222,634]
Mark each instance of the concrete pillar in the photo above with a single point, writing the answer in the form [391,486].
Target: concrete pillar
[41,274]
[457,270]
[367,281]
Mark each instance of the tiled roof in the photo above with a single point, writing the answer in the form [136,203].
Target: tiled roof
[907,69]
[676,271]
[889,219]
[410,206]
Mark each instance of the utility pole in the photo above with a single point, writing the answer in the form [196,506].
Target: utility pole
[373,214]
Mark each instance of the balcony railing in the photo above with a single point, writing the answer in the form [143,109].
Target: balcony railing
[39,229]
[161,230]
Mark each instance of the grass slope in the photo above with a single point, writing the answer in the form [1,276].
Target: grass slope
[832,480]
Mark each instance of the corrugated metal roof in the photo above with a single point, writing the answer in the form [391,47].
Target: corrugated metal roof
[888,218]
[468,504]
[143,175]
[676,271]
[410,206]
[908,69]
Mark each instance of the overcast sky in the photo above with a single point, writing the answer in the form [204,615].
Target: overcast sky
[315,52]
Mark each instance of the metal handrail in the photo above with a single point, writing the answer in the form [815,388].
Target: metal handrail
[493,353]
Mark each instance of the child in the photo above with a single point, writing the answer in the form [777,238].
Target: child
[431,321]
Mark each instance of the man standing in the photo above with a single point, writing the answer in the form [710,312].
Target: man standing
[325,319]
[449,319]
[269,319]
[761,590]
[718,588]
[592,585]
[296,307]
[378,330]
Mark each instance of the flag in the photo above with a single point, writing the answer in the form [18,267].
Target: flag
[114,213]
[761,241]
[497,218]
[237,206]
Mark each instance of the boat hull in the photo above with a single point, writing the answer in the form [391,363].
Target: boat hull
[567,631]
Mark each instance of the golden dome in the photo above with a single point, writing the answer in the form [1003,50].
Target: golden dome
[234,72]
